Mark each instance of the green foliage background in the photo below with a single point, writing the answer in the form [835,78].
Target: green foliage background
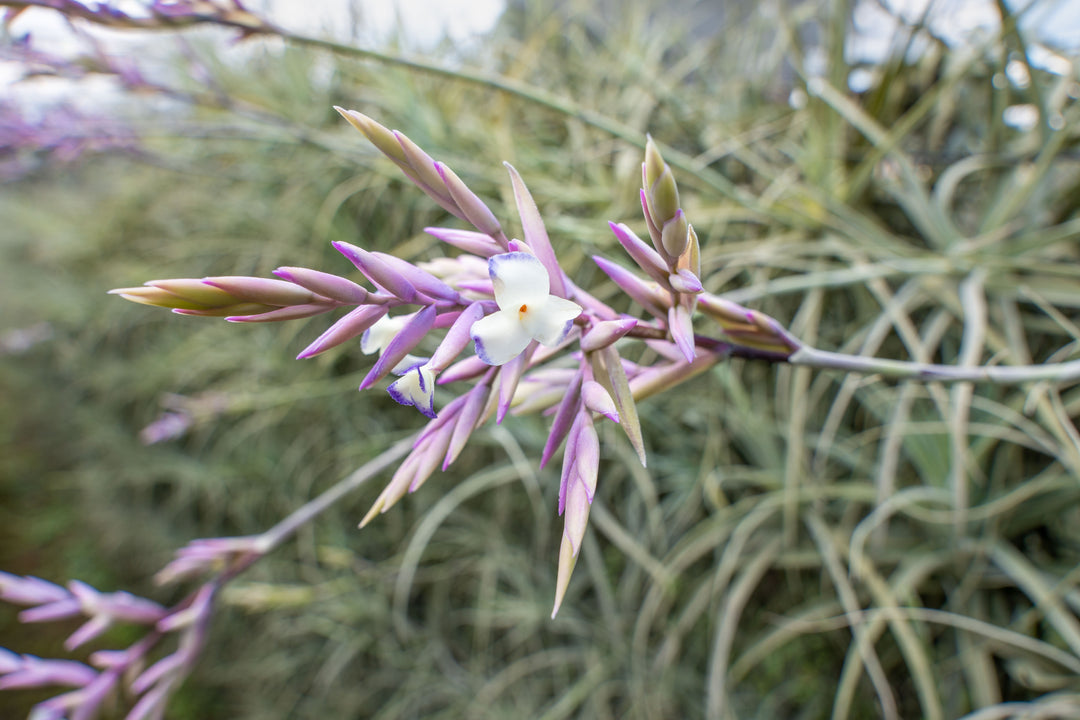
[743,574]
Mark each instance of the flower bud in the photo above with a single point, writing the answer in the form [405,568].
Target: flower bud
[348,327]
[265,291]
[675,235]
[377,271]
[9,662]
[196,291]
[681,328]
[685,281]
[467,420]
[468,240]
[597,399]
[565,415]
[29,590]
[295,312]
[457,337]
[664,197]
[420,279]
[654,163]
[426,176]
[646,294]
[159,297]
[381,137]
[471,205]
[646,257]
[330,286]
[34,672]
[605,333]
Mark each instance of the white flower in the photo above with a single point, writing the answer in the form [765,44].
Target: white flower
[527,310]
[378,336]
[415,387]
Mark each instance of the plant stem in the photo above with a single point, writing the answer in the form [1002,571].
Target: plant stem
[281,532]
[1066,372]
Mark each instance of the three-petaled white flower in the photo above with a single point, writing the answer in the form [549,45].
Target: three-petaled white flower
[378,336]
[415,387]
[527,310]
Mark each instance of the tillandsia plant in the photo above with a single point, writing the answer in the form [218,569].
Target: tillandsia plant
[541,344]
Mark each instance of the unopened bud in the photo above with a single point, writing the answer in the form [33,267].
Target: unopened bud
[597,399]
[654,163]
[381,137]
[346,328]
[325,284]
[195,290]
[265,291]
[377,271]
[605,333]
[685,281]
[675,236]
[645,256]
[457,337]
[423,169]
[157,297]
[681,328]
[474,209]
[664,198]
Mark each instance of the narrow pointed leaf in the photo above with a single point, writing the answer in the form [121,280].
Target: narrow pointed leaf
[475,210]
[564,417]
[567,561]
[535,233]
[295,312]
[624,400]
[348,327]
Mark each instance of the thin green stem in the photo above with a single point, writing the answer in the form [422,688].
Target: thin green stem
[307,512]
[1066,372]
[561,105]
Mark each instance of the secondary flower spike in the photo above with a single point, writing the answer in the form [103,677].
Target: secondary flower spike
[527,310]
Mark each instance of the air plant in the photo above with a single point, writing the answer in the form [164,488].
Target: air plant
[539,343]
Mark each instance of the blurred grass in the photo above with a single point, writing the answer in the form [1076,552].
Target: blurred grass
[802,545]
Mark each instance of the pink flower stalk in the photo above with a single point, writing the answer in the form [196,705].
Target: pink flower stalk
[212,555]
[30,590]
[541,343]
[150,689]
[54,603]
[434,178]
[159,14]
[27,671]
[60,135]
